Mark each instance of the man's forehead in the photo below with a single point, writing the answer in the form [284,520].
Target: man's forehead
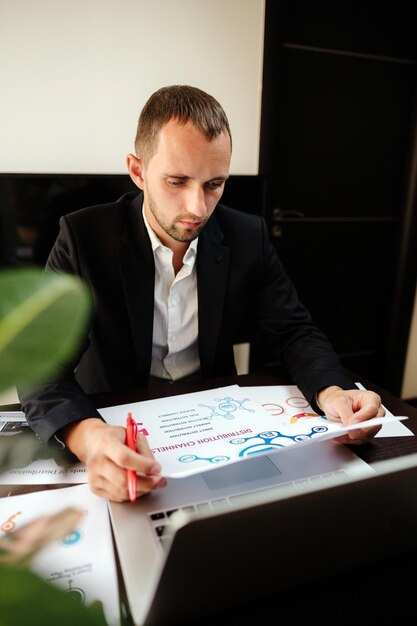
[177,129]
[183,150]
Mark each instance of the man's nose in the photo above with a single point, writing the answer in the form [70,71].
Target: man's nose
[196,202]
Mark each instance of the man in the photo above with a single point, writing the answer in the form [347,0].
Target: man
[174,277]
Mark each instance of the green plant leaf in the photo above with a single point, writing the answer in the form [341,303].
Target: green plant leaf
[42,316]
[26,599]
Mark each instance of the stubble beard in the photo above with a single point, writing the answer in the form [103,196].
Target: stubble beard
[183,236]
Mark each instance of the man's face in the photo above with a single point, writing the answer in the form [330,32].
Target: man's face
[183,181]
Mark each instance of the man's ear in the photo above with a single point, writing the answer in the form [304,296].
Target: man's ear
[136,170]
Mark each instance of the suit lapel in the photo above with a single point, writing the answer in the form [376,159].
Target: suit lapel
[212,275]
[138,276]
[137,270]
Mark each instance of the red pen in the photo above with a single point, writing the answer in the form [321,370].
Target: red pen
[131,434]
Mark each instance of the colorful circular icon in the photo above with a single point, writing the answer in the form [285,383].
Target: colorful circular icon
[72,538]
[274,409]
[298,401]
[9,525]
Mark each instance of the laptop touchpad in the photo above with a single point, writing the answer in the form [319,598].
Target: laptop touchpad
[240,473]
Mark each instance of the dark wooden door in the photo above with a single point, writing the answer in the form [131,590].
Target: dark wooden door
[338,152]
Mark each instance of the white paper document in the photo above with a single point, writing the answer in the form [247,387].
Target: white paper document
[81,563]
[44,472]
[199,431]
[195,432]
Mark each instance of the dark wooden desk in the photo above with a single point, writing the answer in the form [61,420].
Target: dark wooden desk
[378,593]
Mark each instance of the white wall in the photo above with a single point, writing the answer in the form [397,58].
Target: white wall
[74,76]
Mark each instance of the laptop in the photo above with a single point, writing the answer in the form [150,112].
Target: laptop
[224,534]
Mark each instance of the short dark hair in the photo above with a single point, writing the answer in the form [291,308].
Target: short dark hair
[182,103]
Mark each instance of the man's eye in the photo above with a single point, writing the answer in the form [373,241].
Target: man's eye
[214,184]
[175,183]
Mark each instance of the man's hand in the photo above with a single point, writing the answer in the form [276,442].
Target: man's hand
[102,448]
[351,406]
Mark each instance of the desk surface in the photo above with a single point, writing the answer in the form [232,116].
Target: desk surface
[376,593]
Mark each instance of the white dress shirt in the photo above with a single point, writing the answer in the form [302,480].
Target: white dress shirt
[175,322]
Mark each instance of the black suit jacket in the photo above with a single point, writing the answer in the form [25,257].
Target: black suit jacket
[241,285]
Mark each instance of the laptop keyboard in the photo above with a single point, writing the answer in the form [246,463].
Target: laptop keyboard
[160,520]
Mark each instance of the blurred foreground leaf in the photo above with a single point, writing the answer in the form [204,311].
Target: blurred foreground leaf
[25,599]
[42,317]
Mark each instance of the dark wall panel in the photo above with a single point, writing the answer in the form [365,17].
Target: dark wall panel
[358,26]
[338,151]
[344,275]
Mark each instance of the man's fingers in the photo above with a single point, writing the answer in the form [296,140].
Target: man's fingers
[352,406]
[111,482]
[107,465]
[142,446]
[139,461]
[109,479]
[363,435]
[359,436]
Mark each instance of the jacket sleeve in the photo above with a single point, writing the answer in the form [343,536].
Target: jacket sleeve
[291,334]
[59,401]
